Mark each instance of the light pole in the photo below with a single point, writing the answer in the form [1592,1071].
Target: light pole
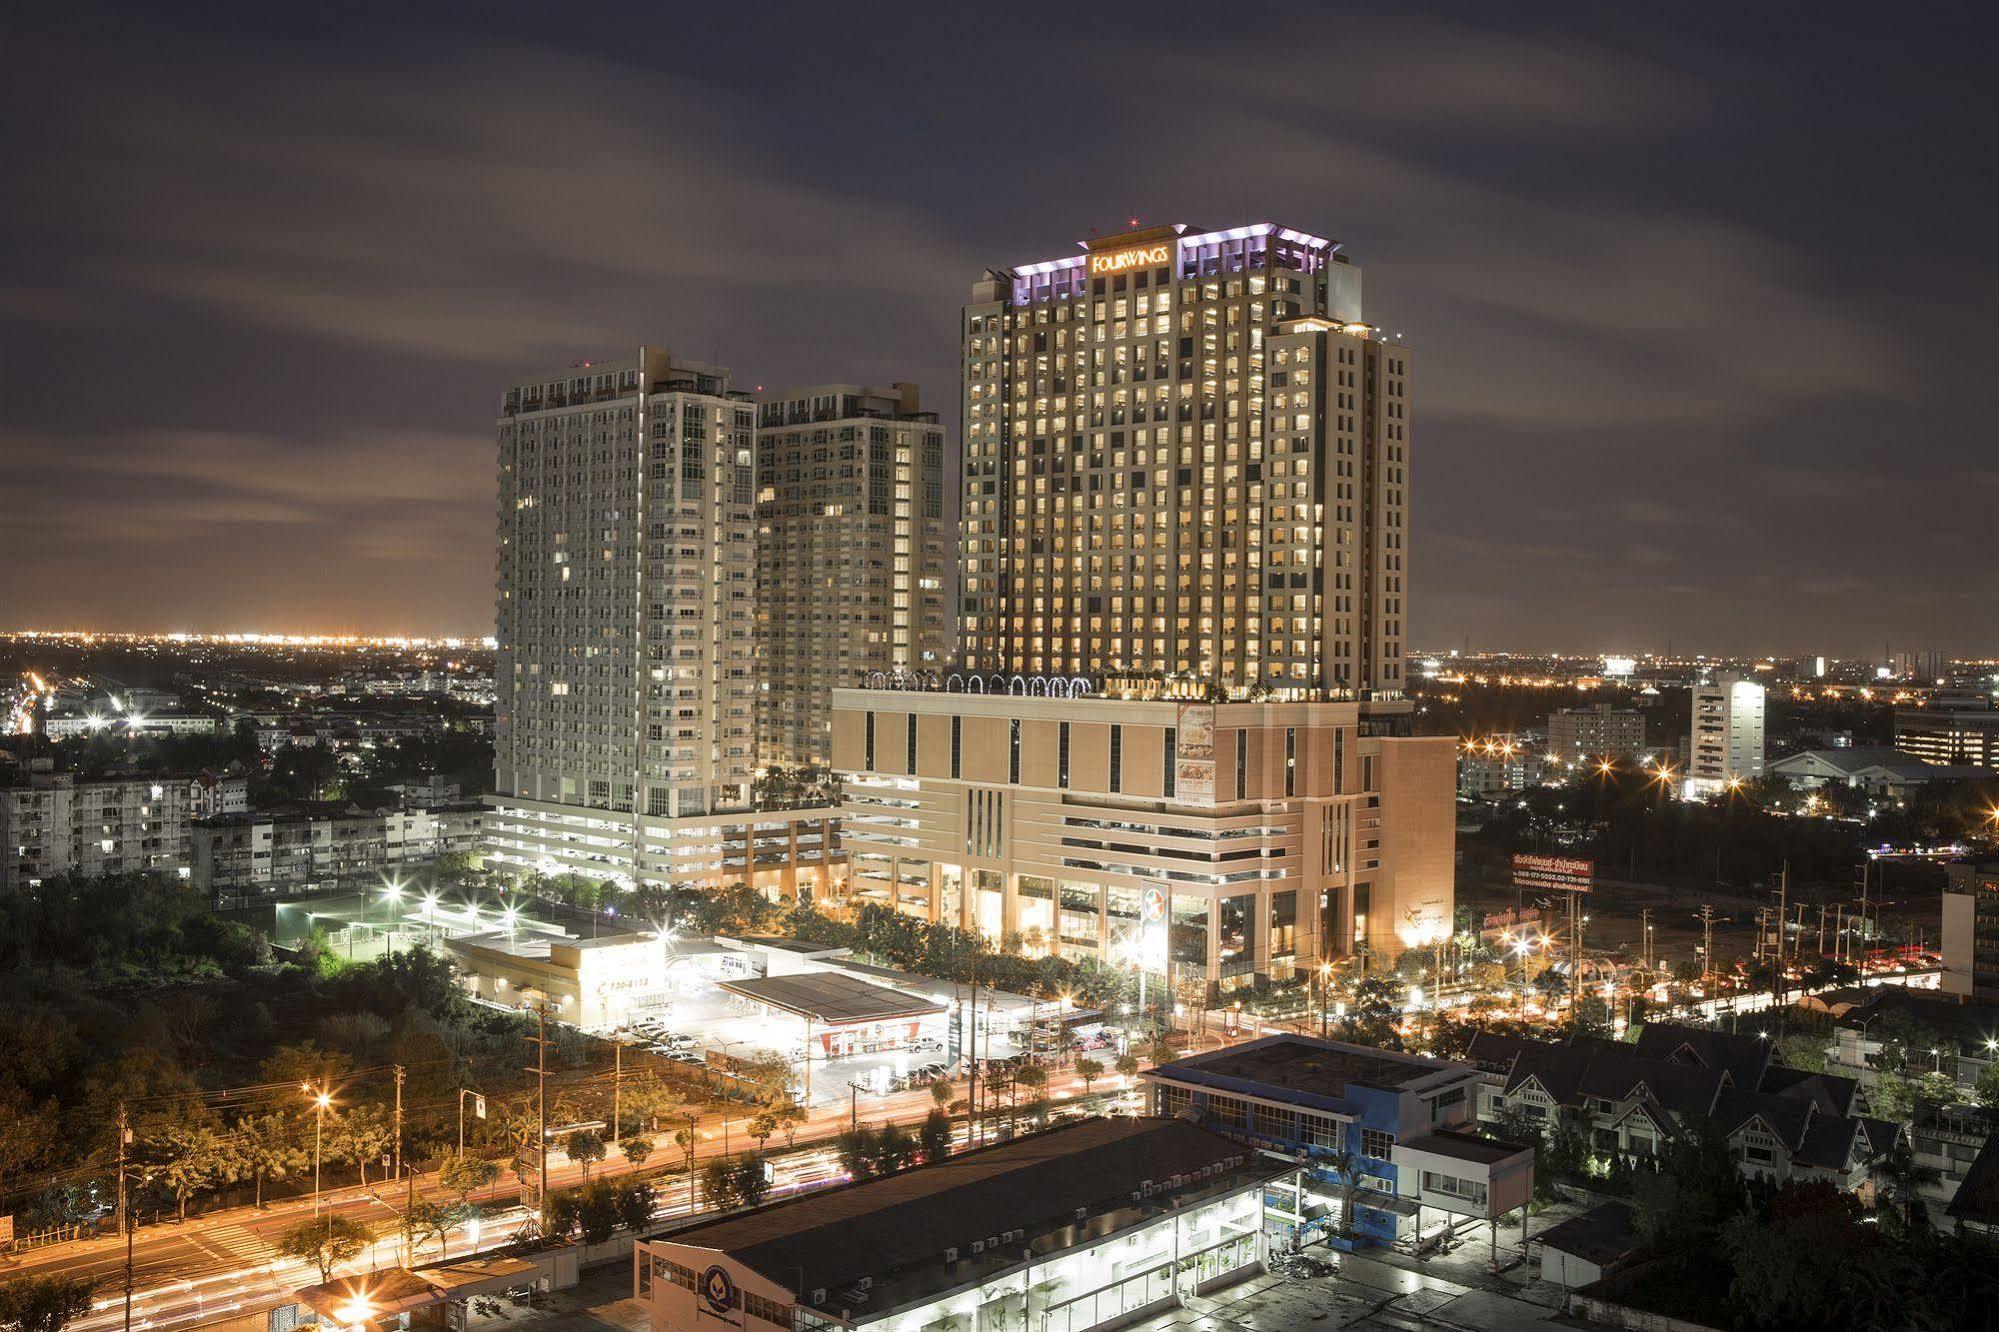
[394,894]
[480,1109]
[320,1100]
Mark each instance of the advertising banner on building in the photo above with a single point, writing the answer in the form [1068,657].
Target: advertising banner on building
[1194,764]
[1560,873]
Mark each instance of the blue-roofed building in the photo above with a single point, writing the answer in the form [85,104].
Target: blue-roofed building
[1393,1131]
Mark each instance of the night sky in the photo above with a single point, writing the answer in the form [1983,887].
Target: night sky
[1701,295]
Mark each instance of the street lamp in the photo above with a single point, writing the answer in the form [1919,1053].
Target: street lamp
[320,1100]
[393,893]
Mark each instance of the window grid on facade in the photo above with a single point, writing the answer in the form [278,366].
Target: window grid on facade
[1117,759]
[1062,756]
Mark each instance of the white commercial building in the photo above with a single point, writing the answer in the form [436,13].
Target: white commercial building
[1092,1225]
[1725,747]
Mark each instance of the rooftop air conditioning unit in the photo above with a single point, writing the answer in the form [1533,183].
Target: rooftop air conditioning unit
[1082,1212]
[978,1246]
[865,1283]
[951,1254]
[819,1295]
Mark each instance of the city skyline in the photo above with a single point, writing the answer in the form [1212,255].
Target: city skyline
[1653,408]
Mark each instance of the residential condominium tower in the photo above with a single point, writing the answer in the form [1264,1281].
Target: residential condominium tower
[624,720]
[852,553]
[1186,453]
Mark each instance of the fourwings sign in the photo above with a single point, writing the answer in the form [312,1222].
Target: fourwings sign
[1137,256]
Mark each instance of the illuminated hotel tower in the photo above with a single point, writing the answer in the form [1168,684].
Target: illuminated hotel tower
[1186,452]
[1175,739]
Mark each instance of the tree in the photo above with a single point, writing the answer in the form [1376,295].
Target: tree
[1986,1089]
[597,1213]
[324,1241]
[1127,1065]
[427,1220]
[1347,1166]
[197,1156]
[1793,1266]
[561,1209]
[1372,1015]
[586,1148]
[1089,1070]
[895,1148]
[1900,1178]
[271,1149]
[357,1136]
[636,1150]
[731,1182]
[465,1175]
[934,1138]
[1696,1188]
[856,1150]
[43,1303]
[940,1092]
[644,1100]
[635,1204]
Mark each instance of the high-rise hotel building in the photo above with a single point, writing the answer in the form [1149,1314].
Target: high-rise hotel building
[1186,453]
[1175,736]
[852,553]
[625,727]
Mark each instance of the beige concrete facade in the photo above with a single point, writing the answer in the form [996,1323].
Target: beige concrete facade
[1279,833]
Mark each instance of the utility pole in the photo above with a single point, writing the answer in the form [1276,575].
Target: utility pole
[124,1137]
[399,1116]
[1645,941]
[124,1221]
[1784,923]
[540,1070]
[1707,948]
[1864,865]
[617,1087]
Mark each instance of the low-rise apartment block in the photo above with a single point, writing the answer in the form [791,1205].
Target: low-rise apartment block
[240,857]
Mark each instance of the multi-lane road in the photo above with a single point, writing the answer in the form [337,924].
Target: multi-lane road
[225,1263]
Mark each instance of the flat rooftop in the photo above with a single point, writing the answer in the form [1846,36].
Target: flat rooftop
[1466,1147]
[1310,1067]
[897,1230]
[833,997]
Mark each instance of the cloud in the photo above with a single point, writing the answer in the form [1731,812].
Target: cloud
[483,207]
[362,527]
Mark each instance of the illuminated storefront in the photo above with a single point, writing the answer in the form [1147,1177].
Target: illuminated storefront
[1083,1227]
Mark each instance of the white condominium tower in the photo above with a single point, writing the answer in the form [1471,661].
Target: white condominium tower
[627,536]
[852,553]
[1725,741]
[1186,454]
